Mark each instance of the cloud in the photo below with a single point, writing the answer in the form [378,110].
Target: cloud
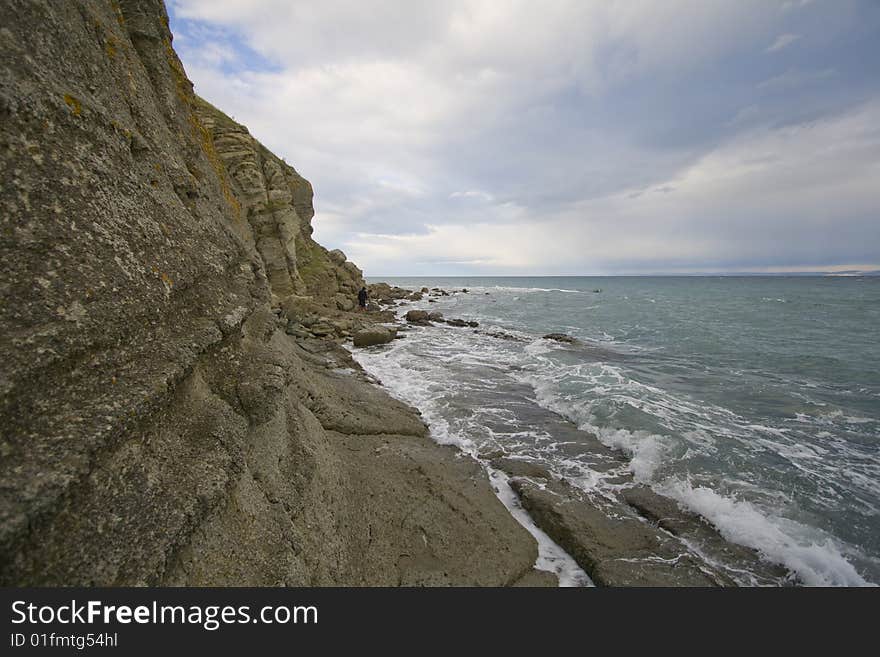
[782,41]
[473,194]
[795,78]
[714,214]
[477,136]
[795,4]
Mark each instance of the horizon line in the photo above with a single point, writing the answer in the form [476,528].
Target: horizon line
[802,274]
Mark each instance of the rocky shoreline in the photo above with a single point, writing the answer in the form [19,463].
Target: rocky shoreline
[631,537]
[176,404]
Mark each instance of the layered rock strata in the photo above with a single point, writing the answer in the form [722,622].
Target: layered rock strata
[169,414]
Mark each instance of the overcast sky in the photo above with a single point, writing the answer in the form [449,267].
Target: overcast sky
[562,137]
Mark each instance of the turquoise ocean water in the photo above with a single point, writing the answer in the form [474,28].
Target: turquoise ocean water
[754,401]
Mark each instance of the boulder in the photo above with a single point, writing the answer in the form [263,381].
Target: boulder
[297,330]
[435,316]
[425,290]
[415,296]
[379,291]
[344,303]
[338,257]
[342,325]
[323,328]
[457,322]
[417,316]
[372,336]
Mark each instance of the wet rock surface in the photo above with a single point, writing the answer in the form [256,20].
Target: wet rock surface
[373,336]
[666,514]
[610,542]
[417,317]
[627,535]
[561,337]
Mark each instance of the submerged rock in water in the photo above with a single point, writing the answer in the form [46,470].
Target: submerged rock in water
[502,335]
[561,337]
[417,316]
[435,316]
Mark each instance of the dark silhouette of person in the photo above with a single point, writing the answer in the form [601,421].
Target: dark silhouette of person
[362,298]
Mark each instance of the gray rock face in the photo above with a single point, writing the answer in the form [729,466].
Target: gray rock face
[159,425]
[337,256]
[273,204]
[372,336]
[385,292]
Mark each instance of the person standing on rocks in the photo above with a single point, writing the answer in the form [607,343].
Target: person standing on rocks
[362,299]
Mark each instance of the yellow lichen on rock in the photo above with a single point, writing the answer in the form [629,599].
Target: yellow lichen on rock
[74,104]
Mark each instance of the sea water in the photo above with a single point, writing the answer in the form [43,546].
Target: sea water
[752,401]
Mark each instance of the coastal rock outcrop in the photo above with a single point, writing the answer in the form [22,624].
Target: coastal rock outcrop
[168,415]
[274,204]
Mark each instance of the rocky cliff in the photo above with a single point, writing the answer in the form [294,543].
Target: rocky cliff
[160,423]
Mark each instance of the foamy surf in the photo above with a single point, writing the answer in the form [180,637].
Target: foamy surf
[421,393]
[817,561]
[780,460]
[814,557]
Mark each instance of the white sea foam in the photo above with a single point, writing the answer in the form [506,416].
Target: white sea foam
[813,556]
[551,557]
[531,289]
[595,394]
[408,385]
[817,560]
